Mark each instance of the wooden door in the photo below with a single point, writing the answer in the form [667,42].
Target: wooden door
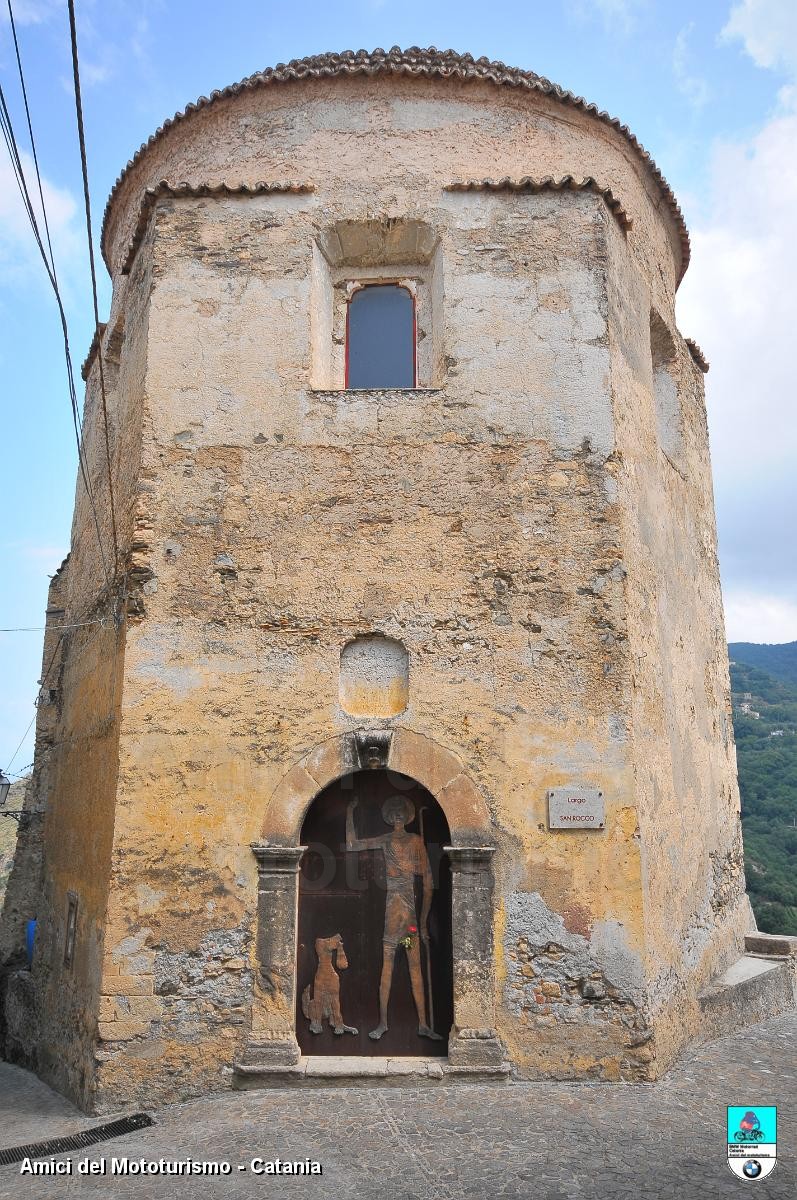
[344,894]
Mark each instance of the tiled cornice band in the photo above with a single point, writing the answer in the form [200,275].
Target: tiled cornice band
[191,191]
[698,356]
[93,348]
[567,183]
[416,62]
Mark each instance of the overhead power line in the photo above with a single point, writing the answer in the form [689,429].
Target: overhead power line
[97,331]
[49,262]
[50,628]
[48,258]
[20,774]
[30,134]
[42,682]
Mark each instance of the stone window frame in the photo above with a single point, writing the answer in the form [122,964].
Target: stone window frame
[346,282]
[353,254]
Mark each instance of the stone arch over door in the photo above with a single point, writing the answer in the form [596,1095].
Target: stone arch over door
[404,751]
[273,1048]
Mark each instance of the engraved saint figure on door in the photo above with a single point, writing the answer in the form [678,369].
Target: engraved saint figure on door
[405,858]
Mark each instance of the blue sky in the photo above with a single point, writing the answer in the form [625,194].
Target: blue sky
[710,89]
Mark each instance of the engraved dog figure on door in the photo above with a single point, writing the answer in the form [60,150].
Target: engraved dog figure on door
[325,1000]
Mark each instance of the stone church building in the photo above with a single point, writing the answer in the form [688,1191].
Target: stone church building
[395,740]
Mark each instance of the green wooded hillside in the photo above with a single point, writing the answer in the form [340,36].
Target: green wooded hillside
[766,749]
[779,660]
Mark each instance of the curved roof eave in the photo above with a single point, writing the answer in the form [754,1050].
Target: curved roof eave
[429,63]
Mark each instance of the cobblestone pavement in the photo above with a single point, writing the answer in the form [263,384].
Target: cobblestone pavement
[541,1141]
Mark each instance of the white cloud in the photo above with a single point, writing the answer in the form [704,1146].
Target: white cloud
[32,12]
[93,73]
[20,260]
[768,29]
[738,301]
[693,86]
[105,53]
[622,11]
[758,617]
[740,294]
[739,298]
[617,15]
[140,39]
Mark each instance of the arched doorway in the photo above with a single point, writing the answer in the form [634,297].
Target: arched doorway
[374,863]
[272,1050]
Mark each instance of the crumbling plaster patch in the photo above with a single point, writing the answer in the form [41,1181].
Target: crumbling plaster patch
[529,919]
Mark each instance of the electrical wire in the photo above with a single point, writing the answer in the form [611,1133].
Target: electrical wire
[16,162]
[48,628]
[21,740]
[84,168]
[6,124]
[30,134]
[42,682]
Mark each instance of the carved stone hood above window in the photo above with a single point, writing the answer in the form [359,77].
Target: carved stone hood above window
[381,243]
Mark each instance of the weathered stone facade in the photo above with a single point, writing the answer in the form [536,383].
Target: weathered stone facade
[531,527]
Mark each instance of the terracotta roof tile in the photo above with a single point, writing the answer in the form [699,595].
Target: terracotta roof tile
[164,188]
[547,184]
[429,63]
[93,348]
[697,354]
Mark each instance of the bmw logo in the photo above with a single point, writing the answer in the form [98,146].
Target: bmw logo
[752,1168]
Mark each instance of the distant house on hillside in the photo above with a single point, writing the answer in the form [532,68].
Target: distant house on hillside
[776,733]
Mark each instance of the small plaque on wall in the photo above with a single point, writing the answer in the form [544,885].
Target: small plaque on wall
[576,808]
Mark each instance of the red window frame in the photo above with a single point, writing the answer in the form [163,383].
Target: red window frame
[386,283]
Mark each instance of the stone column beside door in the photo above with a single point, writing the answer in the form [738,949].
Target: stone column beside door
[273,1039]
[474,1041]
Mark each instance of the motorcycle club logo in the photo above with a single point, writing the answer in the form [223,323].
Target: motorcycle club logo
[752,1140]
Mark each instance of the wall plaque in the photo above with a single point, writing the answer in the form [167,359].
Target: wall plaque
[576,808]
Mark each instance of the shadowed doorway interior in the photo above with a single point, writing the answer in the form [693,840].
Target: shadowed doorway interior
[363,908]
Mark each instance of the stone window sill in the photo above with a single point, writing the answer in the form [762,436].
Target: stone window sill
[417,391]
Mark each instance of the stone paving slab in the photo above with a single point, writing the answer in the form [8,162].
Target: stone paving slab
[315,1070]
[32,1112]
[541,1141]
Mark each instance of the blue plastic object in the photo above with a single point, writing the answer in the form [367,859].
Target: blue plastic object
[30,938]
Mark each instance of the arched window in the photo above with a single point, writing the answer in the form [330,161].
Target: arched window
[380,337]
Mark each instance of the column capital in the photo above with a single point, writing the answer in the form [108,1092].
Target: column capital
[277,860]
[470,859]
